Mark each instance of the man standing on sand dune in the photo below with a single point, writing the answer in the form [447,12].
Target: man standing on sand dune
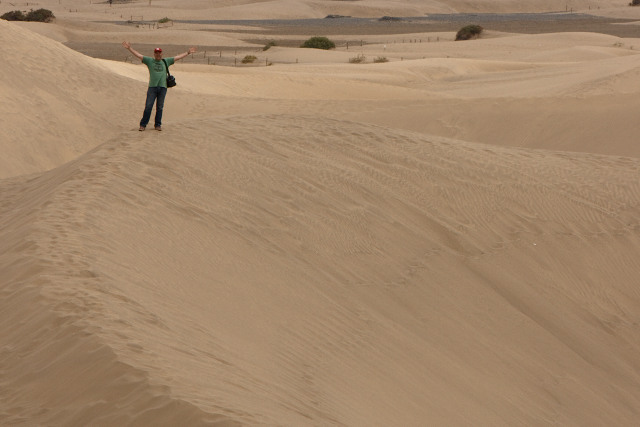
[157,82]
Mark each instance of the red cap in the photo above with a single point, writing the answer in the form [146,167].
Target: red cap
[157,50]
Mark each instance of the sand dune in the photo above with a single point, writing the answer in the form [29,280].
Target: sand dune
[449,238]
[299,262]
[294,9]
[56,102]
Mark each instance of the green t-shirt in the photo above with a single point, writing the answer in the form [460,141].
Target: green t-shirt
[157,71]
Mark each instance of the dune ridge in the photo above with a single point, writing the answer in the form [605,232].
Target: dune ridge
[387,235]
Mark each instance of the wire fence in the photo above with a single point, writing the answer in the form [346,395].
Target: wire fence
[252,56]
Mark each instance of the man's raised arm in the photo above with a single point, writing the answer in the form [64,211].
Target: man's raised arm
[134,52]
[182,55]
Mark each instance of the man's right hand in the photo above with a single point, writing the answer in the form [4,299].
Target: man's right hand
[135,53]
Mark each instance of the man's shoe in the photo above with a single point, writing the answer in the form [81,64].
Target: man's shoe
[158,128]
[141,128]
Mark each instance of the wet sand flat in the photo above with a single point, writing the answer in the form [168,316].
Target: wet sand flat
[343,30]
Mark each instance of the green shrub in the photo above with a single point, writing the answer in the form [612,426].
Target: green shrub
[164,20]
[469,32]
[249,59]
[269,45]
[319,43]
[358,59]
[381,59]
[14,15]
[40,15]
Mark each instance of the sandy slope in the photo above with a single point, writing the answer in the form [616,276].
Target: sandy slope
[55,102]
[447,239]
[289,270]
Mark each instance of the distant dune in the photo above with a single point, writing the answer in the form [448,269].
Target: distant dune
[449,238]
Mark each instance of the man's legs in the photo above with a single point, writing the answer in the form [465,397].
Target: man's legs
[161,93]
[152,93]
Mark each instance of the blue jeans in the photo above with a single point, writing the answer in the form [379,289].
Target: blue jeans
[154,95]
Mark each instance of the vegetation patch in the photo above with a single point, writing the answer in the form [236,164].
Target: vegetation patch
[380,59]
[14,15]
[269,45]
[635,3]
[469,32]
[319,43]
[249,59]
[360,59]
[164,20]
[40,15]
